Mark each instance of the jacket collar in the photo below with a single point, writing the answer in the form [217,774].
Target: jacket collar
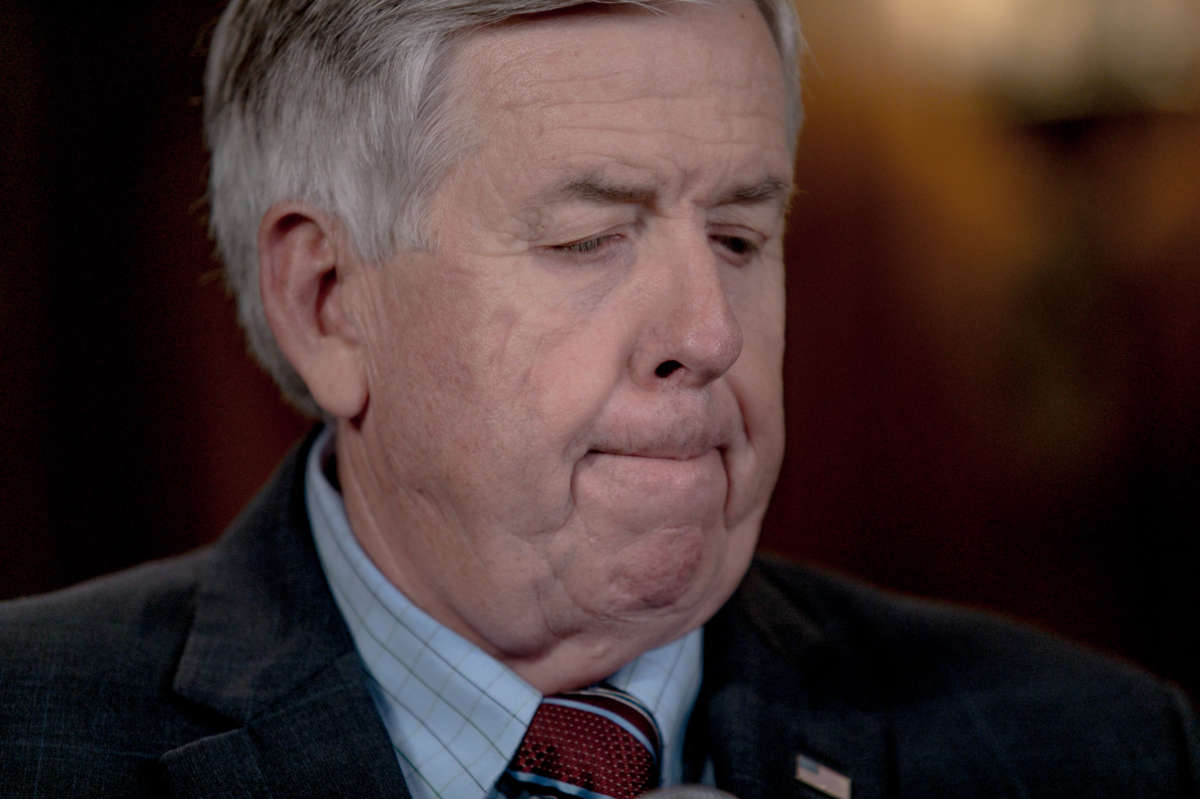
[269,653]
[772,664]
[802,663]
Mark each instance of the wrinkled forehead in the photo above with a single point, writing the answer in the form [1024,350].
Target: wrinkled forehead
[684,108]
[606,54]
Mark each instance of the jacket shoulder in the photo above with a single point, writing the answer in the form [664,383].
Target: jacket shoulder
[911,635]
[85,678]
[124,619]
[950,679]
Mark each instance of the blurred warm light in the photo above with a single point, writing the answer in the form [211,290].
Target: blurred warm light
[1059,57]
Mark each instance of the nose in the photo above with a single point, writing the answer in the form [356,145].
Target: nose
[692,335]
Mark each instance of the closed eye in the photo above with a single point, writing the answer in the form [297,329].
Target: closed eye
[587,246]
[738,246]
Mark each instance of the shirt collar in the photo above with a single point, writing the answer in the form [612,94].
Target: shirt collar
[454,714]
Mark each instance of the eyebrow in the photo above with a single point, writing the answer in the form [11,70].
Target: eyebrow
[768,190]
[594,189]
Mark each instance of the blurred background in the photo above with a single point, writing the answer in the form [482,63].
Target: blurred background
[994,290]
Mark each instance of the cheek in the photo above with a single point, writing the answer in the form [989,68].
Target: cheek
[760,374]
[757,383]
[760,392]
[443,333]
[755,466]
[486,405]
[564,363]
[421,338]
[759,370]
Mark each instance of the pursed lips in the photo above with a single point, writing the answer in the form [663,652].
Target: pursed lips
[656,454]
[674,446]
[675,477]
[688,427]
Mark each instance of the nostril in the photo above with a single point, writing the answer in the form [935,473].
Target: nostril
[666,368]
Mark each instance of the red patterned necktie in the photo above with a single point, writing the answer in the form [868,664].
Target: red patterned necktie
[599,743]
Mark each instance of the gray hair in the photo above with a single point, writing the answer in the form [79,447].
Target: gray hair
[340,104]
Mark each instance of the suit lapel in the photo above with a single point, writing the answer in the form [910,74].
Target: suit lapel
[798,663]
[269,655]
[323,742]
[774,690]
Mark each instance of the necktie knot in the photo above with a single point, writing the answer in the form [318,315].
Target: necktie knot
[599,742]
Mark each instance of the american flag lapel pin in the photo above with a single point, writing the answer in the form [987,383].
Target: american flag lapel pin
[823,778]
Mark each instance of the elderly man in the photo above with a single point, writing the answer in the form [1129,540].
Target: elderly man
[525,260]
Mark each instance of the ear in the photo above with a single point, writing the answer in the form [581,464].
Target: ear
[303,271]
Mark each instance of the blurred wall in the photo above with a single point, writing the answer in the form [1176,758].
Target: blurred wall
[134,424]
[993,386]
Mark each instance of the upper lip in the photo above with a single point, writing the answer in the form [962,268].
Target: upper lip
[662,454]
[680,445]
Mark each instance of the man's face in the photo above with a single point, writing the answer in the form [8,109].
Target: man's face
[575,418]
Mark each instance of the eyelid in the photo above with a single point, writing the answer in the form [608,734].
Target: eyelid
[753,240]
[586,246]
[595,245]
[597,249]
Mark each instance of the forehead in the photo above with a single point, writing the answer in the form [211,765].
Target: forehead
[613,45]
[630,84]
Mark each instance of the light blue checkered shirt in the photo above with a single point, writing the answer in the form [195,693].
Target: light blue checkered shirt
[454,714]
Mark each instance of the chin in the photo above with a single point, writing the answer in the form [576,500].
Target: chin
[669,570]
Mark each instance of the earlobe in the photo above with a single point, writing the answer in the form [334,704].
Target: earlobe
[303,273]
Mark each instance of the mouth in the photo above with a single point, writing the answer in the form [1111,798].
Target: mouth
[658,453]
[667,485]
[660,467]
[670,445]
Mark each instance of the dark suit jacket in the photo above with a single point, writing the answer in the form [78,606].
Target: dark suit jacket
[229,673]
